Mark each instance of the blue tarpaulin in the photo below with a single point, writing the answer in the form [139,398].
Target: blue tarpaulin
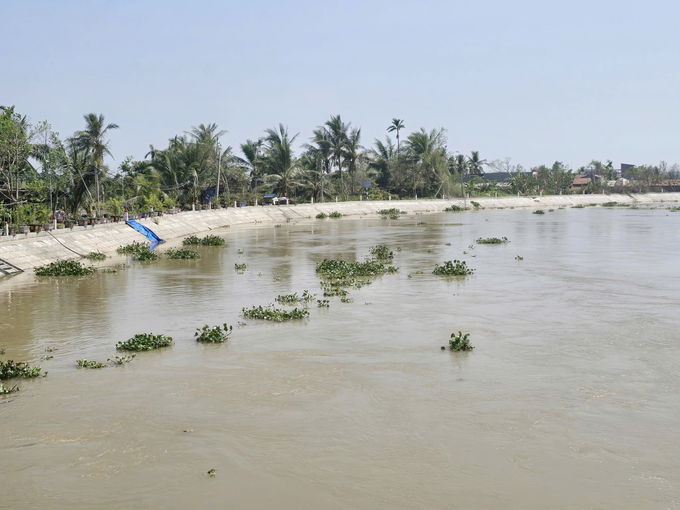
[150,235]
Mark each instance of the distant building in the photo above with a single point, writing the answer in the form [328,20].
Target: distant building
[625,170]
[581,181]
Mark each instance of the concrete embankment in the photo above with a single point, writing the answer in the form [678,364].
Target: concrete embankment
[27,251]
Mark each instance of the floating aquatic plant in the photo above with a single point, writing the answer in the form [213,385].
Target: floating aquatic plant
[209,240]
[191,241]
[10,369]
[93,255]
[138,251]
[344,299]
[339,269]
[382,253]
[215,335]
[292,299]
[270,313]
[460,342]
[490,240]
[453,208]
[538,211]
[6,390]
[323,303]
[476,205]
[64,268]
[144,342]
[121,360]
[182,254]
[321,216]
[390,212]
[453,268]
[518,257]
[578,206]
[89,364]
[239,268]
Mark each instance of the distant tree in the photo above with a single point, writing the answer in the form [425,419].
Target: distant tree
[397,125]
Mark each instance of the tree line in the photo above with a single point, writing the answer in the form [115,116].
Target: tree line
[40,172]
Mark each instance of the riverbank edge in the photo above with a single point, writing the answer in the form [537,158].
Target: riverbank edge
[28,251]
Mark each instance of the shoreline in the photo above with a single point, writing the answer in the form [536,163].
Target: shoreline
[28,251]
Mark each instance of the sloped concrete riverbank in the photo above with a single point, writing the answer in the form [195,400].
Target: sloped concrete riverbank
[27,251]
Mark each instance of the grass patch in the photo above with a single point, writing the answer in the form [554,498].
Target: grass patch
[93,255]
[453,268]
[10,370]
[492,240]
[270,313]
[144,342]
[64,268]
[215,335]
[182,254]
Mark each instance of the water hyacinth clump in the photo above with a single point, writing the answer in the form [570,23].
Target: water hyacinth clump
[144,342]
[492,240]
[182,254]
[460,342]
[381,253]
[93,255]
[215,335]
[270,313]
[6,390]
[121,360]
[339,269]
[292,299]
[209,240]
[191,241]
[335,214]
[323,303]
[538,211]
[390,212]
[321,216]
[454,208]
[89,364]
[10,370]
[453,268]
[64,268]
[239,268]
[138,251]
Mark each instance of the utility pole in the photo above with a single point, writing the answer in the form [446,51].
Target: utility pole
[219,171]
[96,181]
[317,164]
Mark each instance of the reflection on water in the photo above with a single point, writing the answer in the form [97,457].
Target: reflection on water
[570,399]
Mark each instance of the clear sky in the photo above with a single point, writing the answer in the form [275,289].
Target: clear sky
[537,81]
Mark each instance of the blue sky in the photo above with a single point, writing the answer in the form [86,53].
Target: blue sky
[535,81]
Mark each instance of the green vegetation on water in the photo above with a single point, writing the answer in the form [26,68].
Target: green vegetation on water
[214,335]
[93,255]
[460,342]
[10,369]
[138,251]
[321,216]
[64,268]
[339,269]
[6,390]
[292,299]
[391,212]
[335,214]
[538,211]
[121,360]
[270,313]
[182,254]
[454,208]
[476,205]
[209,240]
[382,253]
[89,364]
[492,240]
[144,342]
[452,268]
[239,268]
[323,303]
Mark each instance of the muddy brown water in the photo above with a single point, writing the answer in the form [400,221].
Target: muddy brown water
[570,399]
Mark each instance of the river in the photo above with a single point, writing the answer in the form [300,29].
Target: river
[570,399]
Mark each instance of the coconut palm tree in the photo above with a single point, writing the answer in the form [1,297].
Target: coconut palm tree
[397,125]
[476,165]
[322,150]
[278,160]
[203,133]
[337,135]
[381,158]
[352,153]
[427,152]
[93,141]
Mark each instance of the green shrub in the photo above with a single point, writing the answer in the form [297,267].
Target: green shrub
[335,214]
[89,364]
[213,335]
[144,342]
[269,313]
[64,268]
[460,342]
[182,254]
[321,216]
[455,268]
[10,369]
[492,240]
[93,255]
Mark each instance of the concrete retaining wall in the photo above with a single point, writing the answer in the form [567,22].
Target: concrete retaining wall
[31,250]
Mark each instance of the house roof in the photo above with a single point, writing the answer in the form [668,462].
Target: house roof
[581,180]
